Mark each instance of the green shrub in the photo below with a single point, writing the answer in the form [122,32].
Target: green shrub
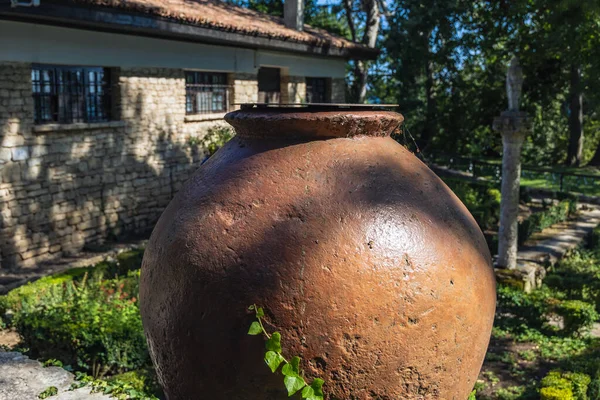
[578,276]
[88,319]
[482,200]
[594,239]
[541,220]
[594,388]
[129,386]
[565,385]
[124,262]
[510,393]
[580,384]
[142,381]
[524,195]
[551,393]
[526,308]
[577,315]
[49,392]
[93,323]
[215,138]
[572,198]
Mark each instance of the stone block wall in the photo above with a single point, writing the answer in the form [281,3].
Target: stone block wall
[293,89]
[338,90]
[245,88]
[62,189]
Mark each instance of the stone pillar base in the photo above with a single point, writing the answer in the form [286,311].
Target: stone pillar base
[526,276]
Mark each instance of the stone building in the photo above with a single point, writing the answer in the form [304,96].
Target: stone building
[102,103]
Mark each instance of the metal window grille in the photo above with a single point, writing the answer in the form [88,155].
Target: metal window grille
[316,90]
[64,94]
[206,92]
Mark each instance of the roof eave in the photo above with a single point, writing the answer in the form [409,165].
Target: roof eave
[119,21]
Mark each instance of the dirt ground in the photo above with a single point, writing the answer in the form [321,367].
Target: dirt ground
[509,365]
[9,338]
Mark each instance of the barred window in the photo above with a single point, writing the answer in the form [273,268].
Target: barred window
[206,92]
[317,90]
[67,94]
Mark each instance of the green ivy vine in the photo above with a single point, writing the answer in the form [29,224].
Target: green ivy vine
[293,377]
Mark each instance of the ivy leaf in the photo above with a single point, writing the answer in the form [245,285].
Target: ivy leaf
[293,383]
[308,392]
[314,391]
[274,342]
[273,360]
[260,312]
[317,385]
[255,329]
[292,368]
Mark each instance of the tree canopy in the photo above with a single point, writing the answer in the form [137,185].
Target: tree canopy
[444,62]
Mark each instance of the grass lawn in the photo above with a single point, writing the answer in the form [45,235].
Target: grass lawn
[582,180]
[571,184]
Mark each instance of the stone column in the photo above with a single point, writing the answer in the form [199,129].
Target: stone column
[513,126]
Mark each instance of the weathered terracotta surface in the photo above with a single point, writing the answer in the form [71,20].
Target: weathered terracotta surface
[368,265]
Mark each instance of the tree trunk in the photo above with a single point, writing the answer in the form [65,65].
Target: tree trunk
[361,69]
[575,118]
[596,159]
[361,72]
[428,129]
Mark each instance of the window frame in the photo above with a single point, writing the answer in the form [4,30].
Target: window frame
[65,98]
[218,99]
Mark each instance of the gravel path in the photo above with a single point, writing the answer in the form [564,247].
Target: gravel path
[24,379]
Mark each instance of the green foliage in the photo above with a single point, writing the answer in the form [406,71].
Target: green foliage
[479,386]
[448,62]
[524,317]
[52,363]
[552,393]
[594,239]
[569,385]
[94,324]
[510,393]
[293,377]
[271,7]
[28,294]
[215,138]
[577,315]
[482,200]
[525,308]
[541,220]
[88,318]
[528,355]
[578,277]
[50,391]
[80,318]
[328,16]
[472,395]
[492,377]
[134,385]
[555,379]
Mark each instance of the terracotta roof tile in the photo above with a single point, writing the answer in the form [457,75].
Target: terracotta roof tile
[219,15]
